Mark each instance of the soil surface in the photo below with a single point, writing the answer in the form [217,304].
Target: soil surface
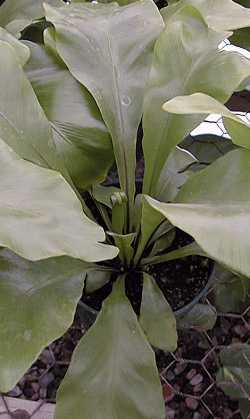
[183,279]
[180,280]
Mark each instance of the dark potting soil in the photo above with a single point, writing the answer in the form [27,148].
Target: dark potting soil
[180,280]
[183,279]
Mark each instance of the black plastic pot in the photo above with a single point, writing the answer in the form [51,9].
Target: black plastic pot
[88,314]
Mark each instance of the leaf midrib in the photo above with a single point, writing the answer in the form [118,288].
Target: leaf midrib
[165,126]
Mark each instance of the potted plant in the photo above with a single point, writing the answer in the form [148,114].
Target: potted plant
[70,108]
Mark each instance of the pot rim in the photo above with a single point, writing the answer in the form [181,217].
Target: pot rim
[178,313]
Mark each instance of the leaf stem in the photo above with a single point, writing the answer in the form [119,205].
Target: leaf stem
[189,250]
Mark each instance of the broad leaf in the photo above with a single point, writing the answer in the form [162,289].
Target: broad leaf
[21,50]
[96,280]
[186,60]
[216,213]
[15,15]
[118,378]
[222,15]
[40,215]
[164,228]
[199,103]
[234,375]
[231,293]
[103,194]
[80,135]
[208,147]
[37,305]
[156,316]
[163,242]
[108,49]
[201,317]
[124,243]
[241,38]
[23,125]
[174,174]
[244,3]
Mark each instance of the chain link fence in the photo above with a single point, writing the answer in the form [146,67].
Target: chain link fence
[188,376]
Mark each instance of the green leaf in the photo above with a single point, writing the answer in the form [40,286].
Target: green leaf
[241,38]
[244,3]
[118,379]
[186,60]
[80,135]
[182,252]
[21,50]
[163,242]
[208,147]
[220,15]
[23,125]
[200,103]
[174,174]
[232,293]
[230,383]
[216,213]
[103,194]
[150,220]
[119,212]
[37,305]
[40,215]
[96,280]
[236,355]
[17,14]
[156,317]
[234,376]
[124,243]
[111,56]
[49,41]
[164,228]
[201,317]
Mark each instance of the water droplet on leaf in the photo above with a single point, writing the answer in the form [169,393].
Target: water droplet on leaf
[126,101]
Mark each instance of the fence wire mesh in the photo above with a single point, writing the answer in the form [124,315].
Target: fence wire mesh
[188,376]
